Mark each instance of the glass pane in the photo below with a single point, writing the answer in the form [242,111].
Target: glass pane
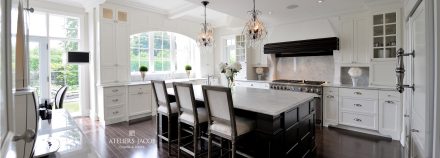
[378,19]
[134,41]
[158,43]
[62,74]
[390,52]
[158,66]
[390,41]
[166,65]
[72,27]
[378,53]
[390,17]
[3,104]
[390,29]
[143,41]
[378,31]
[378,42]
[37,24]
[57,26]
[34,66]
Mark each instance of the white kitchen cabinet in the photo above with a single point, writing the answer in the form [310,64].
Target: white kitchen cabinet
[373,110]
[390,114]
[358,108]
[112,104]
[355,40]
[259,59]
[113,46]
[139,101]
[383,73]
[330,106]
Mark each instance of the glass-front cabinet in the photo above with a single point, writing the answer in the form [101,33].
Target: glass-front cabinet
[386,35]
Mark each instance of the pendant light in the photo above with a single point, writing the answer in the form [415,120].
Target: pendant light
[254,31]
[206,35]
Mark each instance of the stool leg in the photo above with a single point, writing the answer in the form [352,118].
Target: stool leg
[169,135]
[178,139]
[157,130]
[233,148]
[195,141]
[209,144]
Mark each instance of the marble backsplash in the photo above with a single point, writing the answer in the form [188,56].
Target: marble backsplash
[317,68]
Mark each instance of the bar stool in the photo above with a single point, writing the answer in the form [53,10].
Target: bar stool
[191,115]
[167,109]
[222,120]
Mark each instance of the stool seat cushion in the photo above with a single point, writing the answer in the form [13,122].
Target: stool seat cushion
[244,126]
[189,118]
[163,109]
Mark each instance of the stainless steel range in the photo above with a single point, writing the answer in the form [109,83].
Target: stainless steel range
[303,86]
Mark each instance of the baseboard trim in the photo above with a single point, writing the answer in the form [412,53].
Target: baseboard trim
[137,120]
[360,132]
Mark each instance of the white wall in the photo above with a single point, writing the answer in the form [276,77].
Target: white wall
[320,28]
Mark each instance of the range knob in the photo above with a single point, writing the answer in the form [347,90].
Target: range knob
[300,89]
[317,90]
[306,89]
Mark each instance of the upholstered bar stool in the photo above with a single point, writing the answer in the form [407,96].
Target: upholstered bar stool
[222,120]
[166,109]
[191,115]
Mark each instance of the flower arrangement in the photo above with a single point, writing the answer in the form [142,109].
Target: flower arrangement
[230,70]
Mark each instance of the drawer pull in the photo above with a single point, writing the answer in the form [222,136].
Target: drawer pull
[330,96]
[115,100]
[358,105]
[358,120]
[115,90]
[358,93]
[115,112]
[406,115]
[415,130]
[389,102]
[140,92]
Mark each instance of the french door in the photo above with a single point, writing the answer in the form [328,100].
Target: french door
[48,71]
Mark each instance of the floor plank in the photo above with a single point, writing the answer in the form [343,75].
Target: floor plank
[139,140]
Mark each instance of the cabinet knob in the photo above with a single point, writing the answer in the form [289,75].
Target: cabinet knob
[330,96]
[115,100]
[415,130]
[115,90]
[389,102]
[358,120]
[406,115]
[358,93]
[358,105]
[140,92]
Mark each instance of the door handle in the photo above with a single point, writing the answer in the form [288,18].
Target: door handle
[27,136]
[400,70]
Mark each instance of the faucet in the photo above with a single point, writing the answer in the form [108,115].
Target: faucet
[209,78]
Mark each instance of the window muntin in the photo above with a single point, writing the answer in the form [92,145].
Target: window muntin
[161,52]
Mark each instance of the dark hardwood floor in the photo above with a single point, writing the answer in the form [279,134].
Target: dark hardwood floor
[139,141]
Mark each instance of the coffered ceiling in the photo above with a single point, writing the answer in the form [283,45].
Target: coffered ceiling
[226,12]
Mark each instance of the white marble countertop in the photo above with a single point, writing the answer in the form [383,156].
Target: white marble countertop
[258,81]
[63,130]
[148,82]
[265,101]
[384,88]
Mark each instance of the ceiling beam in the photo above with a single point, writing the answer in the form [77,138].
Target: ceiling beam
[182,11]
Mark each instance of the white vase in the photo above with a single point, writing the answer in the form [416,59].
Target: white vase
[355,81]
[188,73]
[143,75]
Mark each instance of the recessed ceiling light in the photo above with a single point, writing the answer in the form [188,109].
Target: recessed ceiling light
[320,1]
[292,6]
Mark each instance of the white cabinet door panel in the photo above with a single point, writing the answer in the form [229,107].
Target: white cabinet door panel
[122,41]
[389,118]
[383,73]
[139,104]
[346,41]
[107,44]
[108,74]
[362,40]
[331,108]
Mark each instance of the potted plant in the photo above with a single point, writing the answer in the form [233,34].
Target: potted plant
[143,70]
[188,69]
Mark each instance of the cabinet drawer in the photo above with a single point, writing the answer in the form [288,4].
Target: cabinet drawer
[116,111]
[139,89]
[390,95]
[359,93]
[358,120]
[331,91]
[114,100]
[358,105]
[113,91]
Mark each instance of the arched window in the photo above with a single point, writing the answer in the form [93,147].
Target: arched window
[161,52]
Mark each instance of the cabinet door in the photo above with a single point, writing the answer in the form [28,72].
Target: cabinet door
[382,73]
[346,39]
[108,74]
[139,103]
[122,40]
[330,109]
[362,43]
[123,74]
[107,14]
[389,118]
[107,44]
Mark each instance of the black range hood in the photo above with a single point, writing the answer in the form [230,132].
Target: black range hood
[312,47]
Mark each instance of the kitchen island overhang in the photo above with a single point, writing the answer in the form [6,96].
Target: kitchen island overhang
[285,121]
